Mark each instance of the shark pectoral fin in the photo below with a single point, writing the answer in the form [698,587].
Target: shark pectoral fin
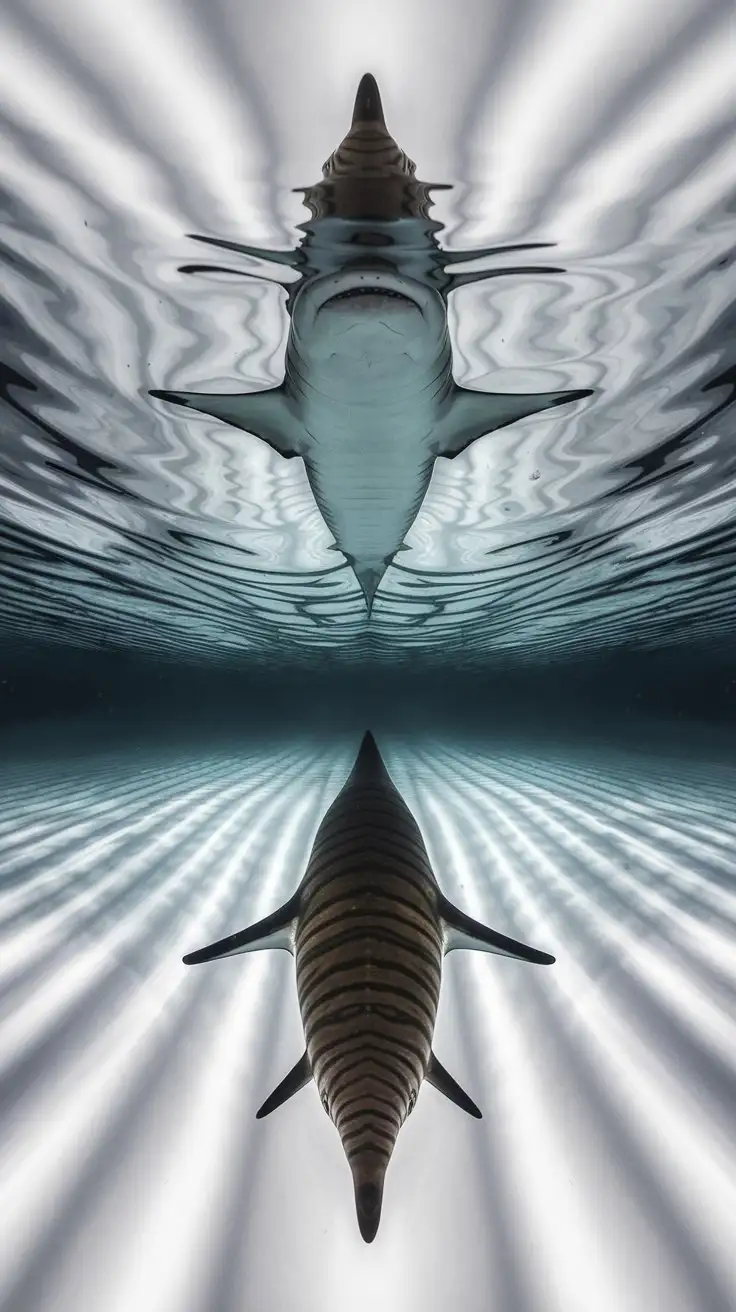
[470,414]
[451,258]
[291,259]
[469,276]
[444,1083]
[268,415]
[456,275]
[298,1076]
[463,932]
[274,931]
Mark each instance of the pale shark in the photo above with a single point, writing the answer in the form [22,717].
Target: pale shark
[368,399]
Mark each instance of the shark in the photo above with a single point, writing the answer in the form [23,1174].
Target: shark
[368,927]
[368,400]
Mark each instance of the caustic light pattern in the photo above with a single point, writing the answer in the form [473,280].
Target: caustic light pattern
[133,1172]
[605,129]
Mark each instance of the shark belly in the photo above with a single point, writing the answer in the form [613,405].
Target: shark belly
[369,478]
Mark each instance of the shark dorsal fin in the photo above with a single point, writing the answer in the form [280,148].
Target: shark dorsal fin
[296,1079]
[444,1083]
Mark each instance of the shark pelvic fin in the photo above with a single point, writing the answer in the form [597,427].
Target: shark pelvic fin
[462,931]
[472,414]
[267,414]
[274,931]
[296,1079]
[444,1083]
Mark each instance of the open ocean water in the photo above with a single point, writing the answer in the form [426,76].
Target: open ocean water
[187,662]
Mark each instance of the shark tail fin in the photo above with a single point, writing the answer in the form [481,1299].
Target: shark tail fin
[444,1083]
[274,931]
[298,1076]
[368,1198]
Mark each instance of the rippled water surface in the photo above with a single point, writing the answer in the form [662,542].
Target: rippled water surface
[132,1171]
[607,134]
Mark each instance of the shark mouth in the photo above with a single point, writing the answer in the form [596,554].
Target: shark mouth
[376,292]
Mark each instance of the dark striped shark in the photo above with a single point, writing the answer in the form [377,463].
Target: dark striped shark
[369,927]
[368,398]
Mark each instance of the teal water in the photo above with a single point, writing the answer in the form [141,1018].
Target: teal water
[188,663]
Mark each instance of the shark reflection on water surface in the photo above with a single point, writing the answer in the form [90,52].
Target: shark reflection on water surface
[368,927]
[368,398]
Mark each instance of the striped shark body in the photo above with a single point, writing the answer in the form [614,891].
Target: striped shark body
[368,399]
[368,927]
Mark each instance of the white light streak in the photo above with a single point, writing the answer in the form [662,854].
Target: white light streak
[132,1169]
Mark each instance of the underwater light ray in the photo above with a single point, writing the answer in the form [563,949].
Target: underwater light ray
[684,1152]
[595,869]
[702,904]
[452,814]
[677,1001]
[36,1168]
[91,1095]
[523,1136]
[69,811]
[112,863]
[527,1146]
[189,845]
[73,857]
[707,841]
[701,882]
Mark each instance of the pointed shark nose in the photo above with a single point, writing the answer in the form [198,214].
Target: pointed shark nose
[368,108]
[368,1199]
[369,758]
[369,766]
